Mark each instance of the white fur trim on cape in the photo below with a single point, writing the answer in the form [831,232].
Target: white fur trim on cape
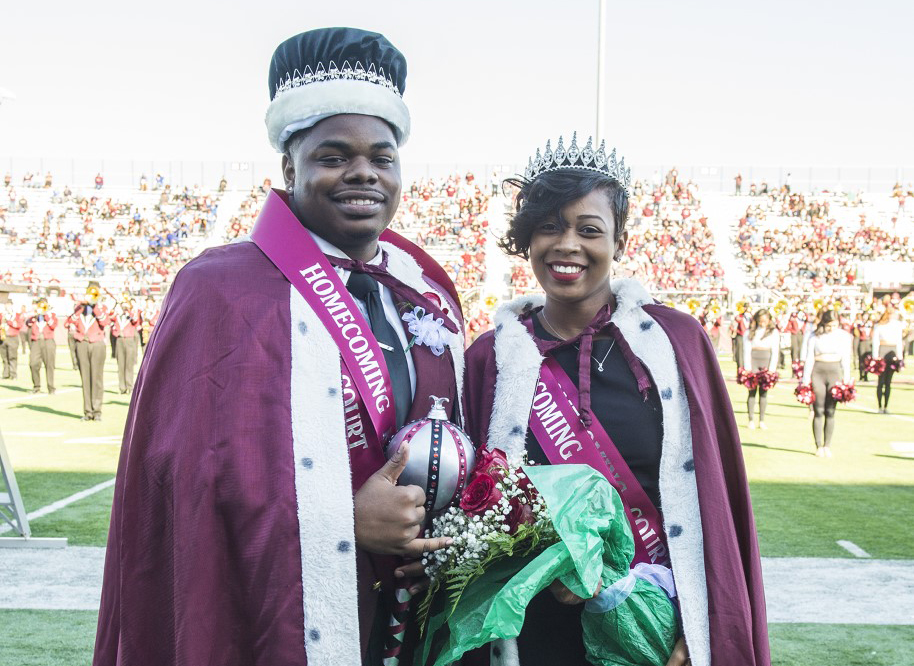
[402,266]
[329,98]
[329,576]
[322,489]
[518,362]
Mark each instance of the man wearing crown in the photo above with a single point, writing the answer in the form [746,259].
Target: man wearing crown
[255,521]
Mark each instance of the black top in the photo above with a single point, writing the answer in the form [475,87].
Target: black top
[634,424]
[552,631]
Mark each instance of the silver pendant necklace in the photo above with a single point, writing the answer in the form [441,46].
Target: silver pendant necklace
[605,356]
[578,347]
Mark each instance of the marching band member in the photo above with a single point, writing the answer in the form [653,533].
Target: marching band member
[738,328]
[796,327]
[863,334]
[888,336]
[124,329]
[253,499]
[13,323]
[761,345]
[42,346]
[150,315]
[70,324]
[23,332]
[89,322]
[827,363]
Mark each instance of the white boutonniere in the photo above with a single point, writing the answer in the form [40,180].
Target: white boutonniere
[426,330]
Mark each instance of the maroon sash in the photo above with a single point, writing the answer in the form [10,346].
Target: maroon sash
[367,389]
[558,428]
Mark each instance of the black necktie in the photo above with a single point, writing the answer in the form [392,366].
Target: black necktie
[365,288]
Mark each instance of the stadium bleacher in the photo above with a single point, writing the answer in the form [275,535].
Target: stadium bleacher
[53,239]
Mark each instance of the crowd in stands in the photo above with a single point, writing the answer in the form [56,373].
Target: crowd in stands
[141,240]
[243,220]
[794,242]
[448,218]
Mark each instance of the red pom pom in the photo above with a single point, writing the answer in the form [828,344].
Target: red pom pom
[804,394]
[850,393]
[844,392]
[797,368]
[875,366]
[767,379]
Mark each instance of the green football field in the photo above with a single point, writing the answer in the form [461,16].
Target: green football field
[803,504]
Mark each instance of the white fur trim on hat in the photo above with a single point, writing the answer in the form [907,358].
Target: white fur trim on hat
[293,109]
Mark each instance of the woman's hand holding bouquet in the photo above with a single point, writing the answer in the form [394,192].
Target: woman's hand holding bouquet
[519,529]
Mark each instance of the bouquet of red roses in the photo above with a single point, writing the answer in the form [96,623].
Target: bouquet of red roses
[873,364]
[844,392]
[804,394]
[517,529]
[767,379]
[500,511]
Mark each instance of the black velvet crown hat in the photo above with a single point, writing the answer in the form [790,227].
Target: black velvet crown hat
[329,71]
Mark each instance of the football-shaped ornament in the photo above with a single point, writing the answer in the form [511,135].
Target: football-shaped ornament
[441,457]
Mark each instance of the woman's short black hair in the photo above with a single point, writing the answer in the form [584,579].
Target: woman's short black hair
[544,196]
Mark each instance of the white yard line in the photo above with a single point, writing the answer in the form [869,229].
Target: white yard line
[65,579]
[110,440]
[903,448]
[60,504]
[36,396]
[816,590]
[36,433]
[839,590]
[853,548]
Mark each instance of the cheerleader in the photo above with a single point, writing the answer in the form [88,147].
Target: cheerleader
[828,362]
[761,346]
[888,345]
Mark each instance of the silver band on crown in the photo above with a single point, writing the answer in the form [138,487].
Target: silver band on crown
[334,73]
[575,158]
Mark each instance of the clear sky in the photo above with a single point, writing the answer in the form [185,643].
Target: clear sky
[694,82]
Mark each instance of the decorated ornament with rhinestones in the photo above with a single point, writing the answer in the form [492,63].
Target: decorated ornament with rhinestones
[440,457]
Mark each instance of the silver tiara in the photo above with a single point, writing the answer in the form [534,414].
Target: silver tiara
[333,73]
[575,158]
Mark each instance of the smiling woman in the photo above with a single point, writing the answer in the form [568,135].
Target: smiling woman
[645,389]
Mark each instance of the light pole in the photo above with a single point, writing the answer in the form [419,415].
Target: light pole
[601,59]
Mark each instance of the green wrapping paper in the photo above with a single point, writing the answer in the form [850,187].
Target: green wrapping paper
[596,545]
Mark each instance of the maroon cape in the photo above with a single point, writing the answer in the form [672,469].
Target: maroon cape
[736,600]
[204,561]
